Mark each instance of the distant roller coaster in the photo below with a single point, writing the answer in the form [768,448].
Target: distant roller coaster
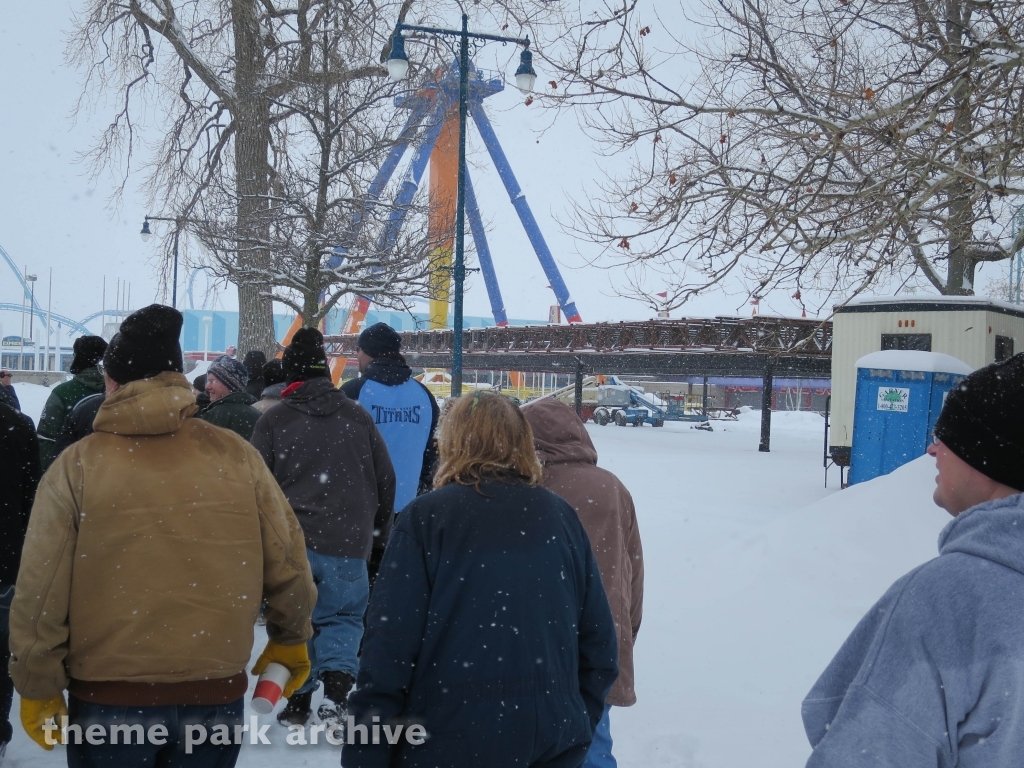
[32,305]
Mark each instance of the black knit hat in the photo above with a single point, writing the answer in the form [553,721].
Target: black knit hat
[146,345]
[379,339]
[254,362]
[305,357]
[273,373]
[88,351]
[982,421]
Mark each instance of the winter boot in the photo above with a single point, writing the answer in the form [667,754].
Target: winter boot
[298,709]
[337,685]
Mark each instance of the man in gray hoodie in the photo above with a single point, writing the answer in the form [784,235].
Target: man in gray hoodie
[934,674]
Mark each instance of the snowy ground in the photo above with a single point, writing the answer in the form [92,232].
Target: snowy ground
[755,575]
[32,398]
[754,581]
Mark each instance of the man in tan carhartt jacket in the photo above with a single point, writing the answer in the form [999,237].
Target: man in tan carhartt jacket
[606,510]
[150,546]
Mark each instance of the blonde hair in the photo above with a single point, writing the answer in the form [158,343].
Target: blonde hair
[483,437]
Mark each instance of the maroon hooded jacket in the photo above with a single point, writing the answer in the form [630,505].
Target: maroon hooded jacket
[606,510]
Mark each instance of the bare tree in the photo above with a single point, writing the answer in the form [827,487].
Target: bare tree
[222,75]
[230,60]
[326,234]
[824,144]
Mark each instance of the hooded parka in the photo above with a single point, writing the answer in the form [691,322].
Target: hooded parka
[333,466]
[606,510]
[150,546]
[58,406]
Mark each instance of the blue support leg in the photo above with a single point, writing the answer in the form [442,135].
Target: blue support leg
[483,252]
[403,200]
[515,192]
[380,181]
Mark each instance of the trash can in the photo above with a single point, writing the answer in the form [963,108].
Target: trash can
[899,396]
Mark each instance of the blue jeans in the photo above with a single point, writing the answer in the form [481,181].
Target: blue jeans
[175,722]
[342,593]
[600,754]
[6,686]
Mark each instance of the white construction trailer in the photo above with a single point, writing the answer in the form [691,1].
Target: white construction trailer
[973,329]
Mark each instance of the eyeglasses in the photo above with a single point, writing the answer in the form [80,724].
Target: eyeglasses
[5,374]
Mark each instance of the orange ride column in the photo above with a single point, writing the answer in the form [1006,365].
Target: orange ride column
[444,169]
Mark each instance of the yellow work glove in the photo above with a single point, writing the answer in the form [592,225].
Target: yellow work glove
[34,715]
[294,658]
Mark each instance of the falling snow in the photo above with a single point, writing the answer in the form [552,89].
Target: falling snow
[755,575]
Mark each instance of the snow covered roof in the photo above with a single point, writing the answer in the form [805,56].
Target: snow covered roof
[929,303]
[912,360]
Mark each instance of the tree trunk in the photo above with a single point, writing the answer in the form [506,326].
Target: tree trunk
[960,211]
[311,294]
[252,143]
[960,278]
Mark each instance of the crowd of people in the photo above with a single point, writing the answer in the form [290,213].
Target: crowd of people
[474,575]
[450,572]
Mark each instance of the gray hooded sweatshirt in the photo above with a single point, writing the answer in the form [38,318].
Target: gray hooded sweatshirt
[934,674]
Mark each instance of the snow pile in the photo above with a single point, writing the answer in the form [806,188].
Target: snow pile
[732,640]
[906,302]
[795,423]
[201,367]
[915,360]
[32,398]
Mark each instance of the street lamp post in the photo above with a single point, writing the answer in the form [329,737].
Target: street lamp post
[31,324]
[145,234]
[398,68]
[32,308]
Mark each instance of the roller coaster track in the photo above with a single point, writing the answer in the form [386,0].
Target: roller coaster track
[775,335]
[33,306]
[723,346]
[54,317]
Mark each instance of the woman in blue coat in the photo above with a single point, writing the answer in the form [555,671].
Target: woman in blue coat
[488,625]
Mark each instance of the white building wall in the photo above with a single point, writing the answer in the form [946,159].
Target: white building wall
[1004,325]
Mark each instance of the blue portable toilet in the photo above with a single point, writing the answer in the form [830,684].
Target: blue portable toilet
[899,396]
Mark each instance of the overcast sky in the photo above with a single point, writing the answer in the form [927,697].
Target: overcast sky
[52,215]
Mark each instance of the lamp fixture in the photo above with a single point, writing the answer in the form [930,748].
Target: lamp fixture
[398,62]
[525,75]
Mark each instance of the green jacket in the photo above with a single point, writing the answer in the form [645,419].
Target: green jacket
[62,399]
[234,412]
